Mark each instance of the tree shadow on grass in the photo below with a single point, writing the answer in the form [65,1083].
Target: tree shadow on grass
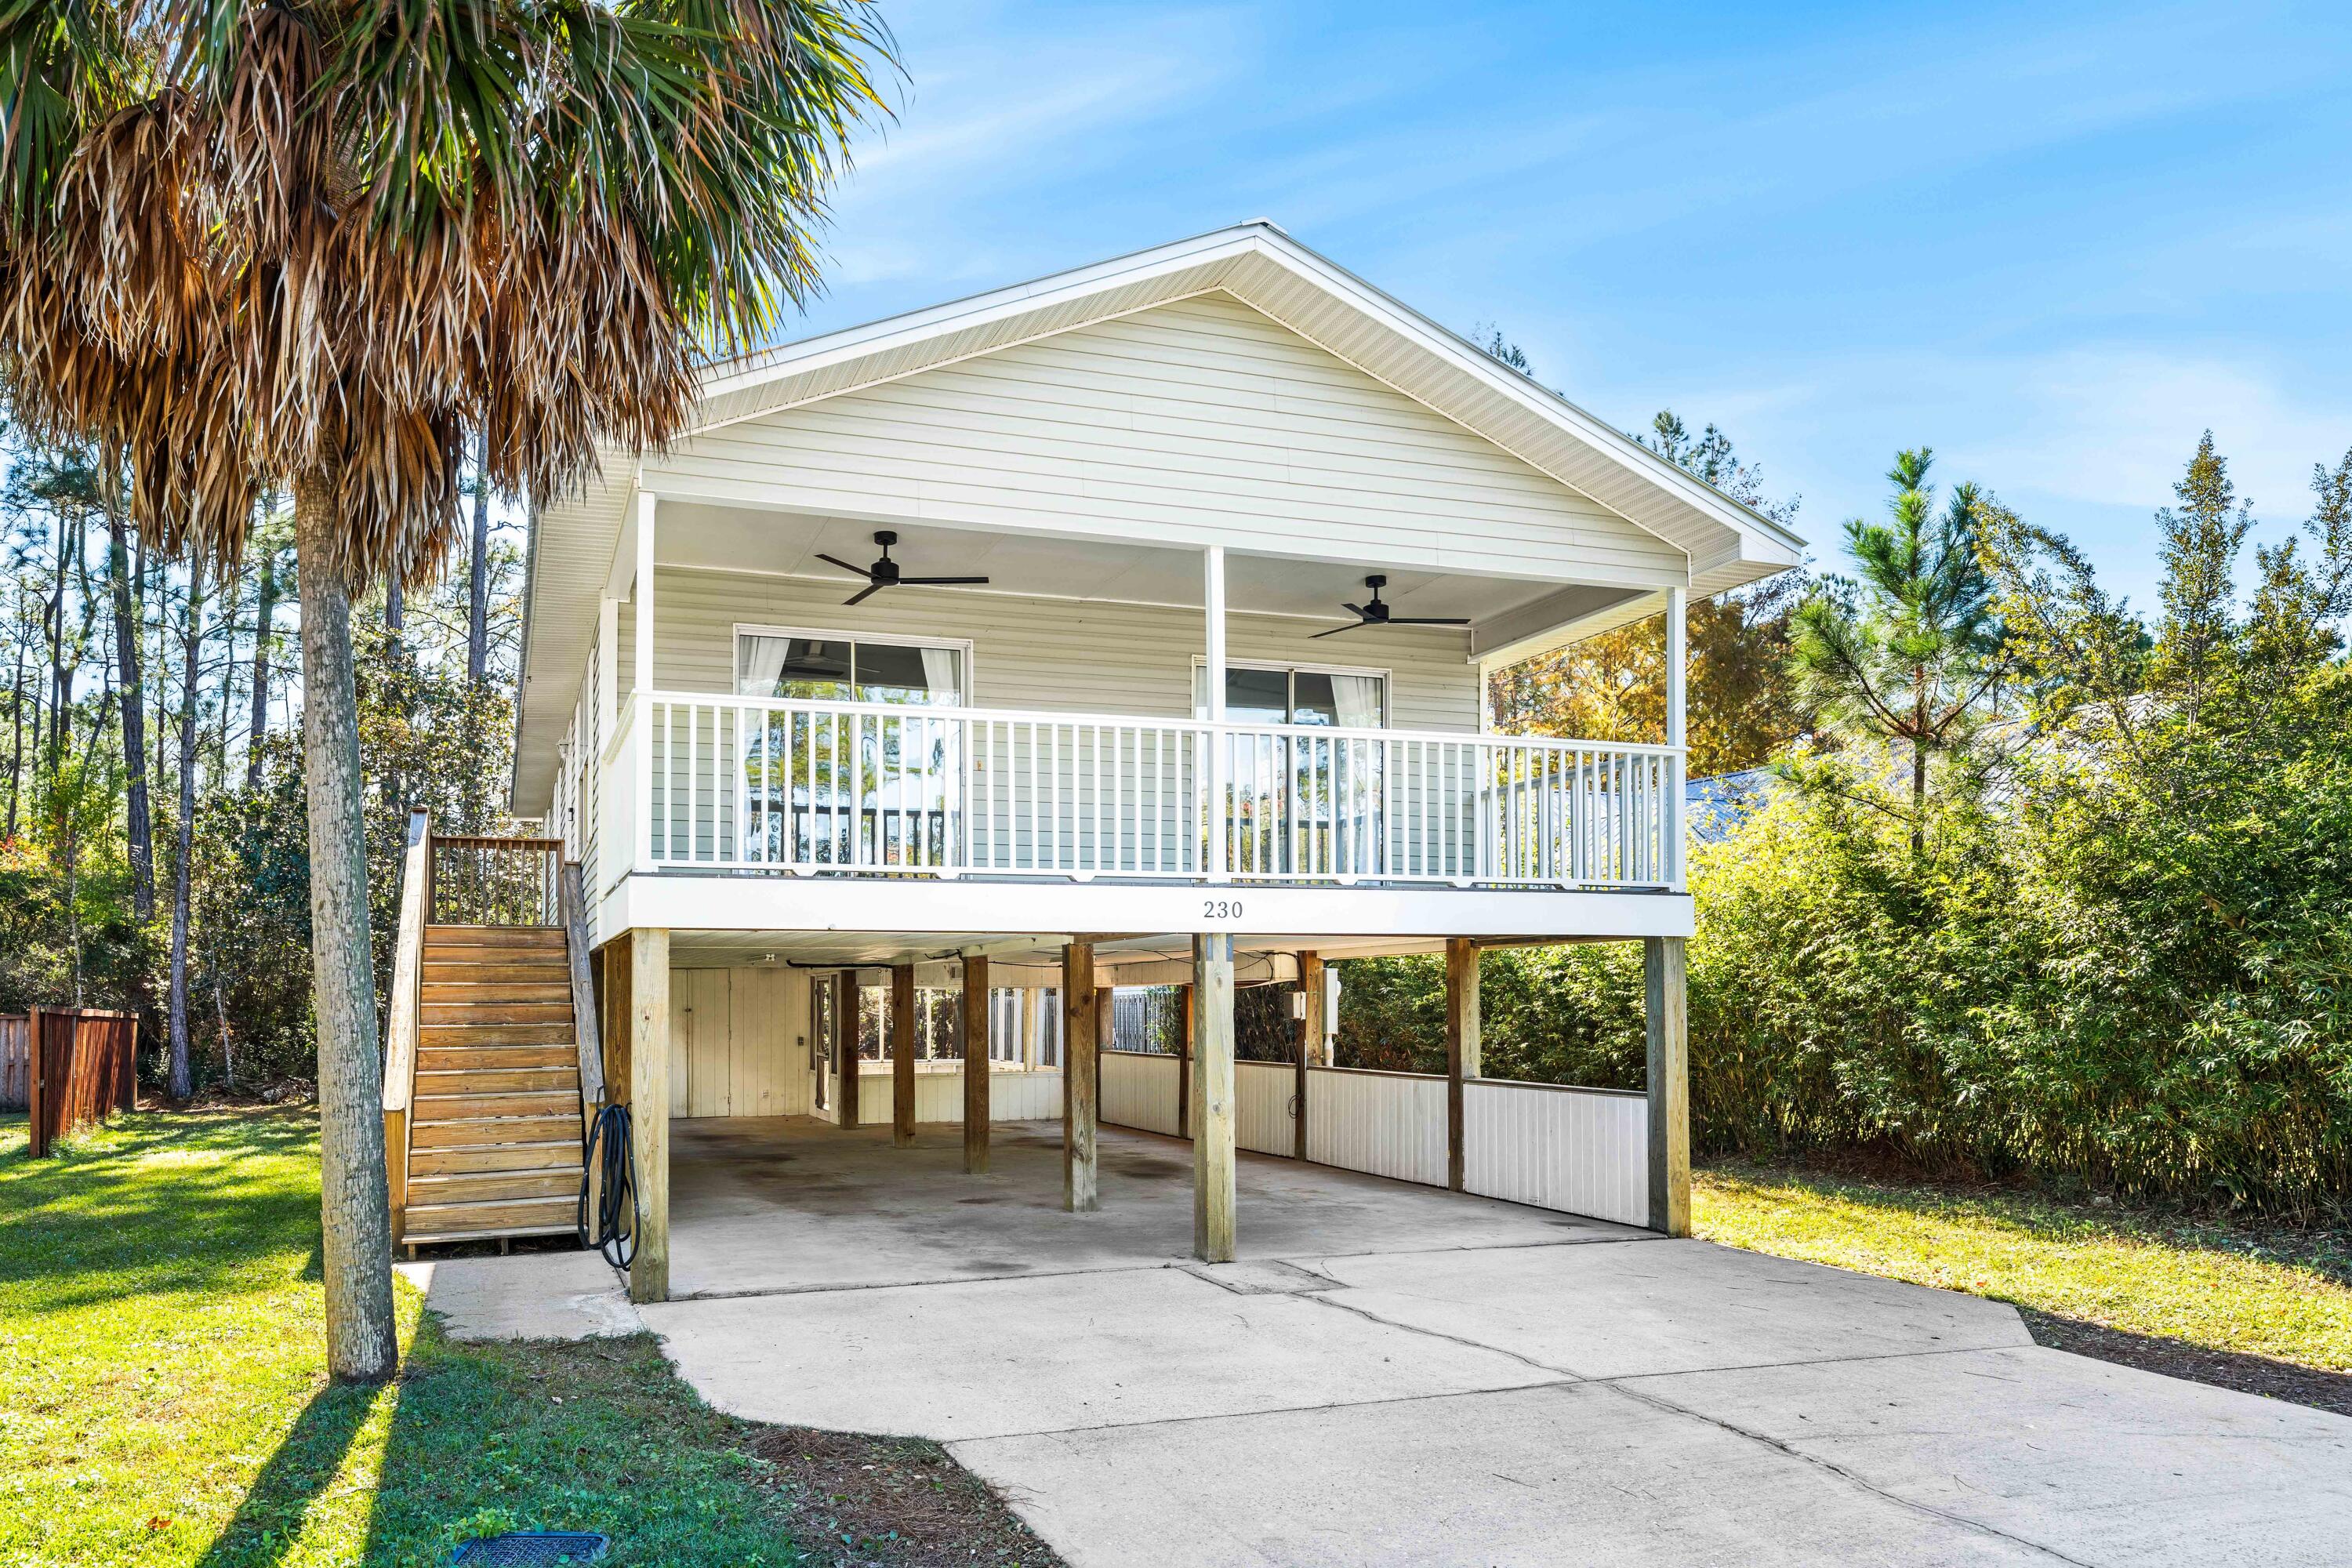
[269,1520]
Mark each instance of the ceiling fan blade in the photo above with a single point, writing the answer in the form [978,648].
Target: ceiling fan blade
[864,594]
[845,565]
[1428,621]
[935,582]
[1357,611]
[1334,631]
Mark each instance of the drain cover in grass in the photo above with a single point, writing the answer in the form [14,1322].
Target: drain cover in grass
[531,1548]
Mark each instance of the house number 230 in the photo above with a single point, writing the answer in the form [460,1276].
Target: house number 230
[1220,908]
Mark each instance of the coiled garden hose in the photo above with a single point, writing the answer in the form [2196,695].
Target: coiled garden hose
[607,1170]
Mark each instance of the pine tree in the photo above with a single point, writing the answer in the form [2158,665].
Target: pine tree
[1907,653]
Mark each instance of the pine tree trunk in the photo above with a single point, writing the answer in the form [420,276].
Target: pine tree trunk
[180,1082]
[478,602]
[258,728]
[353,1205]
[140,829]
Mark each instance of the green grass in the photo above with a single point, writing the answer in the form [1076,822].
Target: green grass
[163,1398]
[2268,1290]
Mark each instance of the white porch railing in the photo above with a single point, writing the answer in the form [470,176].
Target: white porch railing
[733,783]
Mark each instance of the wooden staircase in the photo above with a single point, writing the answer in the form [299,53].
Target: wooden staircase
[494,1125]
[491,1032]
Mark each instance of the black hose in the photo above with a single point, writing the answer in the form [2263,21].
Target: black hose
[607,1169]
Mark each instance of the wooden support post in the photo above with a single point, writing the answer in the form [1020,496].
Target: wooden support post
[1669,1030]
[1310,1042]
[1105,1032]
[649,1109]
[976,1066]
[1461,1044]
[1080,1082]
[1184,994]
[1212,1097]
[844,1045]
[902,1056]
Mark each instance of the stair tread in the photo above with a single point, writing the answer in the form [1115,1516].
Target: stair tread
[429,1239]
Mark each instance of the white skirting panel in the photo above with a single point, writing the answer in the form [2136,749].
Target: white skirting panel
[1386,1124]
[1581,1151]
[1139,1089]
[939,1097]
[1262,1119]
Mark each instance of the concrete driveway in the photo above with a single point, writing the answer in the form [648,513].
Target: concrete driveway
[1606,1397]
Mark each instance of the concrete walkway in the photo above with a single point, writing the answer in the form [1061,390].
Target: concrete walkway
[1588,1396]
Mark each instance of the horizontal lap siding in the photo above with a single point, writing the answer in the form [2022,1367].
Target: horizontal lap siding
[1061,655]
[1188,422]
[1379,1123]
[1576,1151]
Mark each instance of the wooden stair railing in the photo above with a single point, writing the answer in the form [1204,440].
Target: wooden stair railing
[493,1065]
[407,998]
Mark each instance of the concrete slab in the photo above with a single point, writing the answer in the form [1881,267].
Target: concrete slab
[536,1296]
[2104,1464]
[777,1204]
[1666,1306]
[1049,1355]
[1570,1474]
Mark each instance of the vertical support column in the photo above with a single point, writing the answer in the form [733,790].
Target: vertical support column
[649,1109]
[1079,1079]
[902,1056]
[1667,1003]
[1310,1040]
[1184,1101]
[1213,598]
[608,672]
[844,1045]
[1213,1097]
[642,743]
[1461,1044]
[976,1065]
[1677,731]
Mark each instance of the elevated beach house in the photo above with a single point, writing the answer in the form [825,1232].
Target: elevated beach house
[1121,633]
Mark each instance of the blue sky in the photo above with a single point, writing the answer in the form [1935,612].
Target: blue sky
[2054,242]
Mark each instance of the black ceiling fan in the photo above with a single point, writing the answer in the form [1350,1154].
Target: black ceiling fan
[884,574]
[1377,614]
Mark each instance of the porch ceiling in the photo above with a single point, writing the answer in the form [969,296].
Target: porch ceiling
[744,539]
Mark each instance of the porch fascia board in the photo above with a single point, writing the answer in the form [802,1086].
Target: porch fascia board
[982,907]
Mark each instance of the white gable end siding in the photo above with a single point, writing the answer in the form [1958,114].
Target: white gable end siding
[1193,423]
[1056,654]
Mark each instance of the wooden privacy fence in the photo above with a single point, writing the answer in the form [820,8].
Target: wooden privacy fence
[80,1069]
[15,1063]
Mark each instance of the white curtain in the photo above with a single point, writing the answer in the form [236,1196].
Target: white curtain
[940,675]
[763,666]
[1358,698]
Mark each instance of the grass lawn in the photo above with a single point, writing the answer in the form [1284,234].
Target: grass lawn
[2242,1289]
[163,1399]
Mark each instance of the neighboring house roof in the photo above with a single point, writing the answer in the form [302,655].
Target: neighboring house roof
[1714,809]
[581,543]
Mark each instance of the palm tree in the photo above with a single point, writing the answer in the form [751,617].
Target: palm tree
[1908,654]
[314,243]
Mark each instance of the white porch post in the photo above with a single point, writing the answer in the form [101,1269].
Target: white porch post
[1212,596]
[608,671]
[642,699]
[1677,729]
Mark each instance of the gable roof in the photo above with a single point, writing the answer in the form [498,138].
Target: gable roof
[1727,544]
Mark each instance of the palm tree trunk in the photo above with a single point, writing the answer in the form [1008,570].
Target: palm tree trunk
[478,602]
[141,827]
[192,641]
[354,1210]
